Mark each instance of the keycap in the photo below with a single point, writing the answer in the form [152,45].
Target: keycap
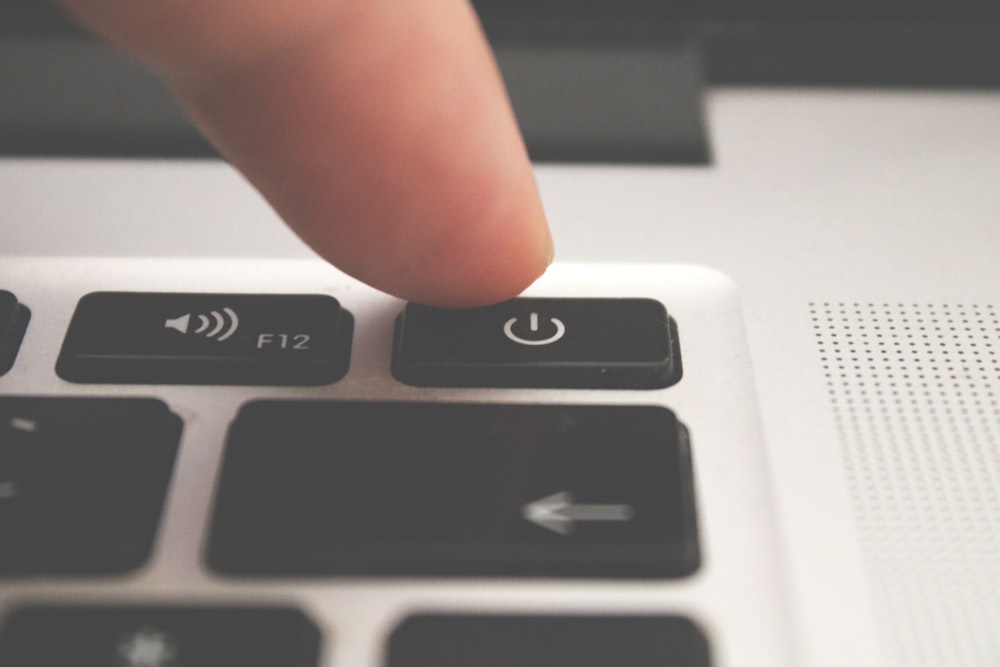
[99,636]
[13,323]
[224,339]
[357,488]
[548,641]
[529,342]
[82,482]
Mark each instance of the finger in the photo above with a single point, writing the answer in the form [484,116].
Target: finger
[378,129]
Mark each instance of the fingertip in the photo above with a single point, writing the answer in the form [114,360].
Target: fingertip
[379,131]
[481,283]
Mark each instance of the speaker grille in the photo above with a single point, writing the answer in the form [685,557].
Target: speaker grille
[914,390]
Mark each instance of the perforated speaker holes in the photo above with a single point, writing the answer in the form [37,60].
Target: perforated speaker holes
[914,390]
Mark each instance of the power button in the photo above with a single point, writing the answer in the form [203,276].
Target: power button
[532,338]
[532,342]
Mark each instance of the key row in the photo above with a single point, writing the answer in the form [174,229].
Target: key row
[265,637]
[295,339]
[342,488]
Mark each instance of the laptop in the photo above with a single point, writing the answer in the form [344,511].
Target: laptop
[748,418]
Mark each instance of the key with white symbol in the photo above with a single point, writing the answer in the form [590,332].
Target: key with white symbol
[108,636]
[455,490]
[274,339]
[530,342]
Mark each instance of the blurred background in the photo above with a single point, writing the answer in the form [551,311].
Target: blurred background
[591,80]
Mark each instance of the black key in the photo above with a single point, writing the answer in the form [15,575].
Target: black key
[576,343]
[548,641]
[13,323]
[455,490]
[82,482]
[158,637]
[266,339]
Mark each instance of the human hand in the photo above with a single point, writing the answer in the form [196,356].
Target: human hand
[378,129]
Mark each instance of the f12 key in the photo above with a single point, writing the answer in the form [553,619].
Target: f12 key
[237,339]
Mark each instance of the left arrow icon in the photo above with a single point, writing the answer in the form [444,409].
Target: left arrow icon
[560,514]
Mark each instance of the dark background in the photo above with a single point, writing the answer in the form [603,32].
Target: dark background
[629,72]
[851,42]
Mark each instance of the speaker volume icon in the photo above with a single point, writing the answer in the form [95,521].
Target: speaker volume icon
[209,326]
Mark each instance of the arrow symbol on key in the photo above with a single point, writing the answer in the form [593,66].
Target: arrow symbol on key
[559,514]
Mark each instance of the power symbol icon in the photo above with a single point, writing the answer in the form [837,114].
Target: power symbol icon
[533,326]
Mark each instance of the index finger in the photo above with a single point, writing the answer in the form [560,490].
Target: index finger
[379,130]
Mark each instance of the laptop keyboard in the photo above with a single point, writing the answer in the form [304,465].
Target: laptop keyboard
[333,477]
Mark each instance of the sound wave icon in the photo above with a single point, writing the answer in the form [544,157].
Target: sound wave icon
[209,326]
